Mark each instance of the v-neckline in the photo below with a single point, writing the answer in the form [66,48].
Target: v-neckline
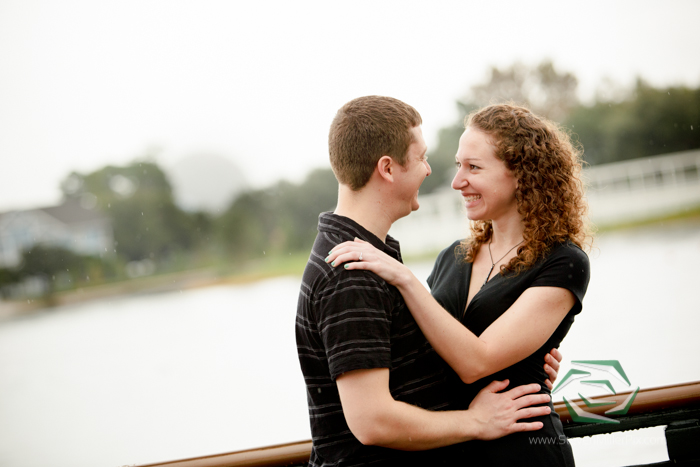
[468,282]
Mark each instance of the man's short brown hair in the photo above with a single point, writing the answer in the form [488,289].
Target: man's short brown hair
[364,130]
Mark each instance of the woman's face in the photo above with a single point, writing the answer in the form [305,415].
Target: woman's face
[487,186]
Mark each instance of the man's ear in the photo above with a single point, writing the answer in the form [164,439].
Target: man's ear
[386,167]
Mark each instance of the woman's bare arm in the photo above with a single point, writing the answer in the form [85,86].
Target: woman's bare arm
[520,331]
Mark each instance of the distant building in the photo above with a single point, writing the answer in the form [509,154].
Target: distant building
[619,192]
[72,225]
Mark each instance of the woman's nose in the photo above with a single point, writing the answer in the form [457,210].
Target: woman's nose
[460,181]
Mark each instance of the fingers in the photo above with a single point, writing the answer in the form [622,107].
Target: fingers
[496,386]
[531,426]
[551,373]
[535,399]
[529,413]
[348,251]
[551,366]
[520,391]
[553,359]
[342,254]
[351,259]
[549,384]
[532,412]
[557,355]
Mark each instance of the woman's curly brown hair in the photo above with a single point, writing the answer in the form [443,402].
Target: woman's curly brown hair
[549,192]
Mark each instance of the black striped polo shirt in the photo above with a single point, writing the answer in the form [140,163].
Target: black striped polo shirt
[351,320]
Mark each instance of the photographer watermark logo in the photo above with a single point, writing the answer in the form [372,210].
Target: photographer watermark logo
[598,374]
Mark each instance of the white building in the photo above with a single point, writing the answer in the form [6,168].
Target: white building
[72,225]
[618,193]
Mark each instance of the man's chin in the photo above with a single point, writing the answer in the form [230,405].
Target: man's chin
[415,204]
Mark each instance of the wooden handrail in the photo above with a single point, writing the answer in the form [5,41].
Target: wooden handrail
[270,456]
[679,396]
[647,400]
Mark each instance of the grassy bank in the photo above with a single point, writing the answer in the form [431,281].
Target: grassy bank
[214,274]
[688,214]
[223,272]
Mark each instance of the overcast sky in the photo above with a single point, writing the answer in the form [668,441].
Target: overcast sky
[87,83]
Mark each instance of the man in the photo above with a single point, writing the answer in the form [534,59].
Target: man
[376,389]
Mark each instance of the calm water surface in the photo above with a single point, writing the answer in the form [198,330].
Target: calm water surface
[150,378]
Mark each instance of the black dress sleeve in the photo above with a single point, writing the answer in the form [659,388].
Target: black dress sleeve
[567,267]
[448,280]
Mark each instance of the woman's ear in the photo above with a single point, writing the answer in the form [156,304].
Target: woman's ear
[386,167]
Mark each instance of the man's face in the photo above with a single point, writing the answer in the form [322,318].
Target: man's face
[410,177]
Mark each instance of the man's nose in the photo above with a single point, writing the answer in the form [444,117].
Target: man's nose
[429,169]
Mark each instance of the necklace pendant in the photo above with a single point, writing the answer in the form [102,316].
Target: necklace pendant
[488,275]
[493,264]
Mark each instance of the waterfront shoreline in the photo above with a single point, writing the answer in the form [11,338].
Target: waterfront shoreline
[251,272]
[162,283]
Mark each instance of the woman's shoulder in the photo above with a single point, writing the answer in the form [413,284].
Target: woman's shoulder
[565,262]
[451,253]
[567,266]
[448,263]
[567,250]
[454,246]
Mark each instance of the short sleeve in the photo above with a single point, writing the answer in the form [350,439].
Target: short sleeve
[436,268]
[448,281]
[355,323]
[566,266]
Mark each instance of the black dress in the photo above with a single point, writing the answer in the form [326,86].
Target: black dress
[565,266]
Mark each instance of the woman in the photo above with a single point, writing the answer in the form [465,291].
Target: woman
[507,294]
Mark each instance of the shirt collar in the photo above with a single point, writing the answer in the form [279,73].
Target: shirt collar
[349,229]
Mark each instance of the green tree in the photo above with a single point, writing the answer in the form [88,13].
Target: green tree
[279,219]
[50,263]
[642,122]
[7,277]
[50,260]
[246,227]
[648,122]
[541,88]
[138,199]
[301,205]
[442,157]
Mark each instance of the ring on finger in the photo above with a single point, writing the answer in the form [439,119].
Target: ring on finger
[360,258]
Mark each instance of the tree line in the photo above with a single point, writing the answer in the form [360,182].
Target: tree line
[148,226]
[137,198]
[619,124]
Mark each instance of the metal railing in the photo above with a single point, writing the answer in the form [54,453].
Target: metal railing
[644,173]
[677,406]
[619,192]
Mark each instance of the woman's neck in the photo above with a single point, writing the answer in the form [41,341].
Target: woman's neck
[507,232]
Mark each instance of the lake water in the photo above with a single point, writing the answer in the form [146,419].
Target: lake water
[149,378]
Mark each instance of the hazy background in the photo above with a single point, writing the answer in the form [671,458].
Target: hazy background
[125,357]
[84,84]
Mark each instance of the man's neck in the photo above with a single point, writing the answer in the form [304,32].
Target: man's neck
[366,208]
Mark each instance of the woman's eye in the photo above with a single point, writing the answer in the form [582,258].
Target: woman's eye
[458,165]
[473,167]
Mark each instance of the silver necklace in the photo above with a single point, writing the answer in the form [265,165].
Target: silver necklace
[494,264]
